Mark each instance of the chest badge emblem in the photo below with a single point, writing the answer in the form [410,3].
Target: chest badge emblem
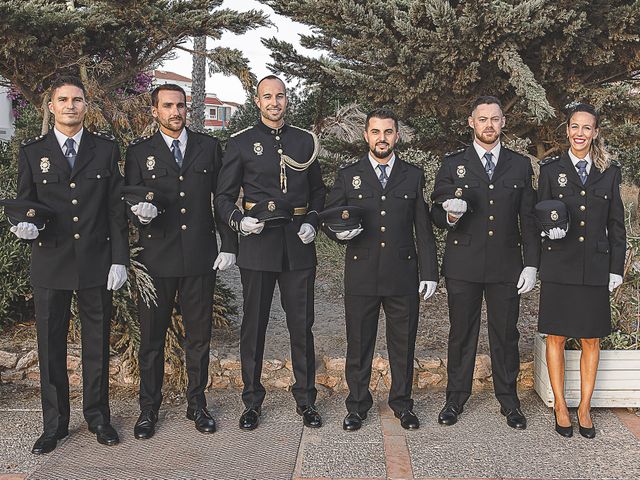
[151,162]
[356,182]
[258,149]
[562,179]
[461,171]
[45,164]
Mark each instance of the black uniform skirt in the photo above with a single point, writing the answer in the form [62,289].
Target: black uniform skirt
[576,311]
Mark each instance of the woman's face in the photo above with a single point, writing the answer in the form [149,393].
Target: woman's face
[581,131]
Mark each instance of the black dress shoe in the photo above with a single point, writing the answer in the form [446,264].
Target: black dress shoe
[353,421]
[586,432]
[145,425]
[105,434]
[515,418]
[202,418]
[564,431]
[408,420]
[250,418]
[310,416]
[45,443]
[449,413]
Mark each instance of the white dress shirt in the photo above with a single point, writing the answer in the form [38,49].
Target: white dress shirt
[182,139]
[62,139]
[389,164]
[575,161]
[495,151]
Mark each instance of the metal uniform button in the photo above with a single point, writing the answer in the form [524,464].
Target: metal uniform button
[582,224]
[205,170]
[183,210]
[277,137]
[355,257]
[490,217]
[455,242]
[382,244]
[491,233]
[406,196]
[490,202]
[153,176]
[75,219]
[548,248]
[583,208]
[491,187]
[383,197]
[383,229]
[360,196]
[605,197]
[98,176]
[72,185]
[280,151]
[581,239]
[182,194]
[583,193]
[383,213]
[181,178]
[560,196]
[74,201]
[76,236]
[184,227]
[44,182]
[149,236]
[408,257]
[39,244]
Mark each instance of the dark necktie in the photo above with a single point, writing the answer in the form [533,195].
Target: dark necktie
[582,171]
[489,166]
[70,154]
[383,174]
[177,154]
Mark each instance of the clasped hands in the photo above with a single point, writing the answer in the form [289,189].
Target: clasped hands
[251,225]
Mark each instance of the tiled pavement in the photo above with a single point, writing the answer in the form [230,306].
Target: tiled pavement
[479,446]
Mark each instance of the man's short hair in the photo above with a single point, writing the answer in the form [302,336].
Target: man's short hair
[67,80]
[486,100]
[382,113]
[168,87]
[271,77]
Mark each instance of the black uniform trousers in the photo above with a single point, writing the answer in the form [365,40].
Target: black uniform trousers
[362,312]
[503,306]
[195,296]
[52,309]
[296,296]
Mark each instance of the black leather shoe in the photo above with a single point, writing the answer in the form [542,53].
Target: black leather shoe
[586,432]
[515,418]
[353,421]
[46,443]
[250,418]
[449,413]
[310,416]
[408,420]
[145,425]
[105,434]
[202,418]
[564,431]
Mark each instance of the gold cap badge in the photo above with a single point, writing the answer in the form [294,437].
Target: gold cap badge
[149,196]
[271,206]
[345,214]
[554,215]
[31,213]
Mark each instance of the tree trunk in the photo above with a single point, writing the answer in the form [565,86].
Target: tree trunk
[198,85]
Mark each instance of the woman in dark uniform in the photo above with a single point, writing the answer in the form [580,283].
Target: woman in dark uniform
[579,267]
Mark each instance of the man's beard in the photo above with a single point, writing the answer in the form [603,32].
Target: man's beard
[488,138]
[382,154]
[172,127]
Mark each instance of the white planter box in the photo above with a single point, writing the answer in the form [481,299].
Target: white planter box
[617,383]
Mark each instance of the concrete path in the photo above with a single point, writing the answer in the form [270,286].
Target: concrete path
[479,446]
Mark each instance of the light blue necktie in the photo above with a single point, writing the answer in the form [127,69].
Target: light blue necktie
[177,154]
[582,171]
[70,154]
[383,174]
[489,166]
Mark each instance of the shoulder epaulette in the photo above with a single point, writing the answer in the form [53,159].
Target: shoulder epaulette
[456,152]
[546,161]
[29,141]
[241,131]
[135,141]
[616,163]
[105,135]
[348,163]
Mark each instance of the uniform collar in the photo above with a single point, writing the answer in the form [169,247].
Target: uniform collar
[375,163]
[495,151]
[62,138]
[272,131]
[182,138]
[575,160]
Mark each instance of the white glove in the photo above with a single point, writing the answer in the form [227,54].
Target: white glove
[348,234]
[117,277]
[224,260]
[456,207]
[430,288]
[145,211]
[307,233]
[555,233]
[249,225]
[615,281]
[527,280]
[25,231]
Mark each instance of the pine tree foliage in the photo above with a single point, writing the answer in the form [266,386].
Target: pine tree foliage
[433,57]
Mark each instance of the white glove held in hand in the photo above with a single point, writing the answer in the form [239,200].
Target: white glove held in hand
[224,261]
[249,225]
[25,231]
[527,280]
[117,276]
[455,207]
[348,234]
[555,233]
[307,233]
[430,287]
[615,281]
[145,211]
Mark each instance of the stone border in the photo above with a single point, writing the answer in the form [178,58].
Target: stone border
[430,372]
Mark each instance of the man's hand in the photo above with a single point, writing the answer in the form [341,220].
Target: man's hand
[527,280]
[615,281]
[145,211]
[555,233]
[348,234]
[307,233]
[455,208]
[25,231]
[224,261]
[249,225]
[429,286]
[117,276]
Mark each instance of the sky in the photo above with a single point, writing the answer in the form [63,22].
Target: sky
[230,88]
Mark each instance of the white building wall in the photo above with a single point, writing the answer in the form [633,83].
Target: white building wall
[6,117]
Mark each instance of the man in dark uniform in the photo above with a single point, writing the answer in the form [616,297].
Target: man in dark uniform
[83,248]
[273,160]
[180,251]
[382,267]
[484,256]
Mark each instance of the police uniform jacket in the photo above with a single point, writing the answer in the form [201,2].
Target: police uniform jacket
[382,260]
[487,243]
[181,240]
[253,161]
[596,240]
[89,231]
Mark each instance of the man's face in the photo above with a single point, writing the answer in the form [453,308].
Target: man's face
[487,122]
[68,106]
[171,111]
[381,136]
[272,101]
